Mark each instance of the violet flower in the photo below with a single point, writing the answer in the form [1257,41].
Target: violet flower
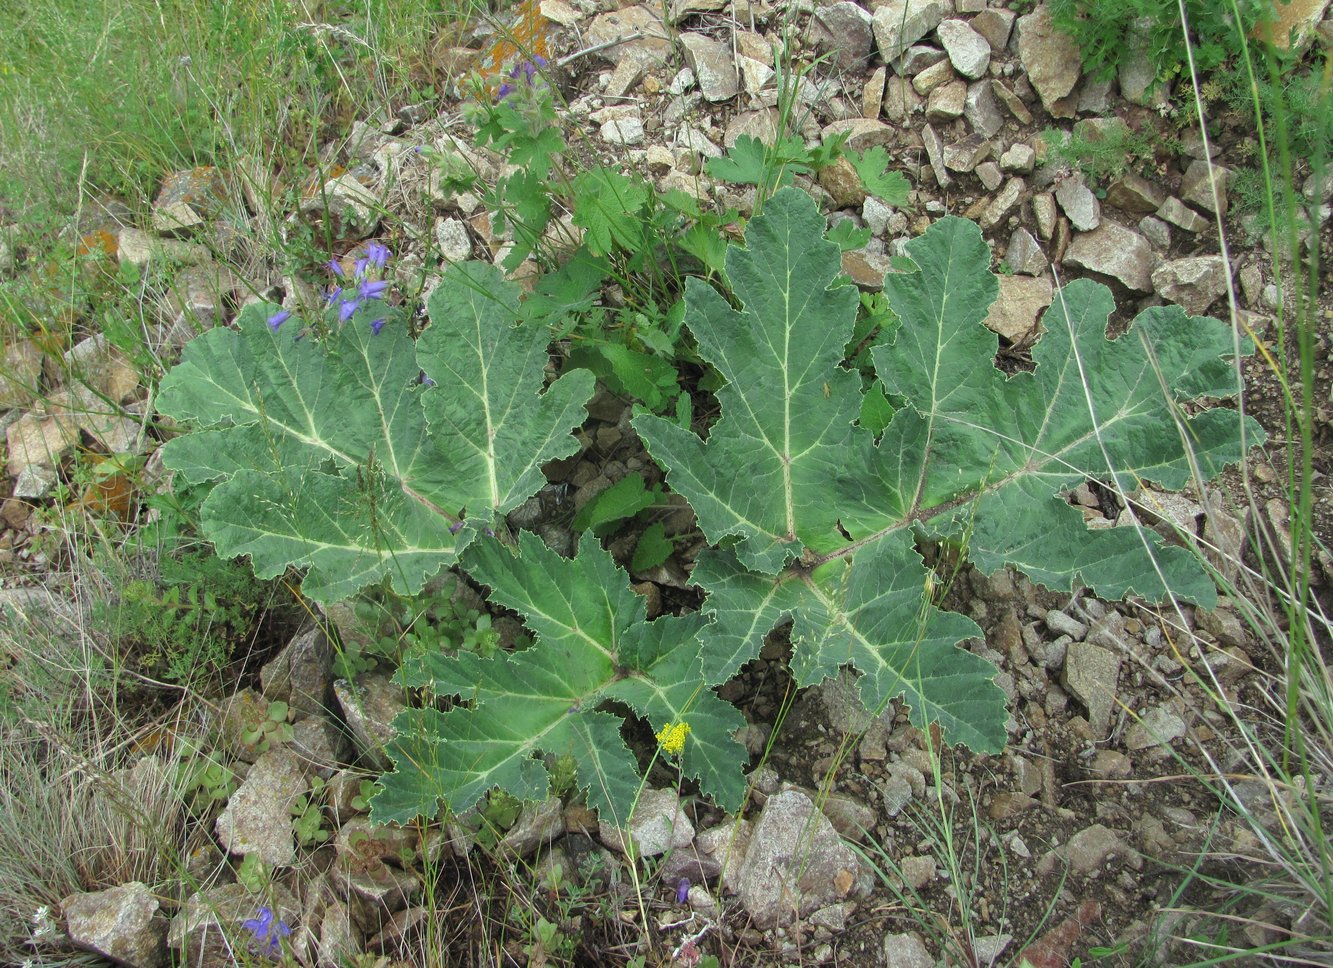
[277,319]
[683,890]
[346,310]
[456,527]
[377,254]
[525,71]
[334,295]
[372,289]
[336,268]
[268,932]
[376,326]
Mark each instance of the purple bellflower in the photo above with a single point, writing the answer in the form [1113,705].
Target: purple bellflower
[268,932]
[377,254]
[346,310]
[278,318]
[372,289]
[524,73]
[376,326]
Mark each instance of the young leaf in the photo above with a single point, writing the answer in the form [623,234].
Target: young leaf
[654,547]
[623,499]
[846,236]
[872,166]
[751,162]
[593,646]
[331,455]
[609,206]
[975,456]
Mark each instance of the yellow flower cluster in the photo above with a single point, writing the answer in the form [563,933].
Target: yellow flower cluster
[672,738]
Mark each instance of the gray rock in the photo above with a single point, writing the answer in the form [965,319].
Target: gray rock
[537,825]
[1002,204]
[653,44]
[901,23]
[946,102]
[1196,187]
[1137,75]
[1062,624]
[1192,283]
[452,237]
[623,131]
[932,77]
[383,885]
[657,825]
[935,155]
[257,819]
[796,863]
[339,937]
[1043,210]
[321,744]
[906,951]
[353,208]
[713,65]
[725,847]
[876,215]
[901,101]
[1092,847]
[300,675]
[918,58]
[141,250]
[121,923]
[966,154]
[968,51]
[1115,251]
[1012,102]
[1134,193]
[1024,254]
[1091,674]
[369,707]
[1015,312]
[1155,231]
[1079,203]
[20,374]
[1095,96]
[852,28]
[995,24]
[982,110]
[1158,726]
[1051,59]
[1179,214]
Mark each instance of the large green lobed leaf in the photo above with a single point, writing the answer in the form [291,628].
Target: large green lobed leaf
[593,646]
[335,455]
[817,520]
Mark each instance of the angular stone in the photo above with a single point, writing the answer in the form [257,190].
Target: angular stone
[538,825]
[39,440]
[188,199]
[946,102]
[899,24]
[852,28]
[657,825]
[653,42]
[121,923]
[1024,254]
[623,131]
[1179,214]
[1115,251]
[20,374]
[1044,211]
[932,77]
[935,155]
[1050,57]
[901,101]
[1192,283]
[1019,159]
[1015,312]
[713,65]
[1002,204]
[1158,726]
[906,950]
[842,182]
[755,74]
[1091,674]
[990,175]
[300,675]
[796,862]
[369,708]
[1197,188]
[918,58]
[995,24]
[1079,203]
[141,250]
[1095,96]
[1012,102]
[1134,193]
[1156,231]
[257,818]
[353,208]
[866,269]
[872,95]
[1293,19]
[968,51]
[982,110]
[453,240]
[966,154]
